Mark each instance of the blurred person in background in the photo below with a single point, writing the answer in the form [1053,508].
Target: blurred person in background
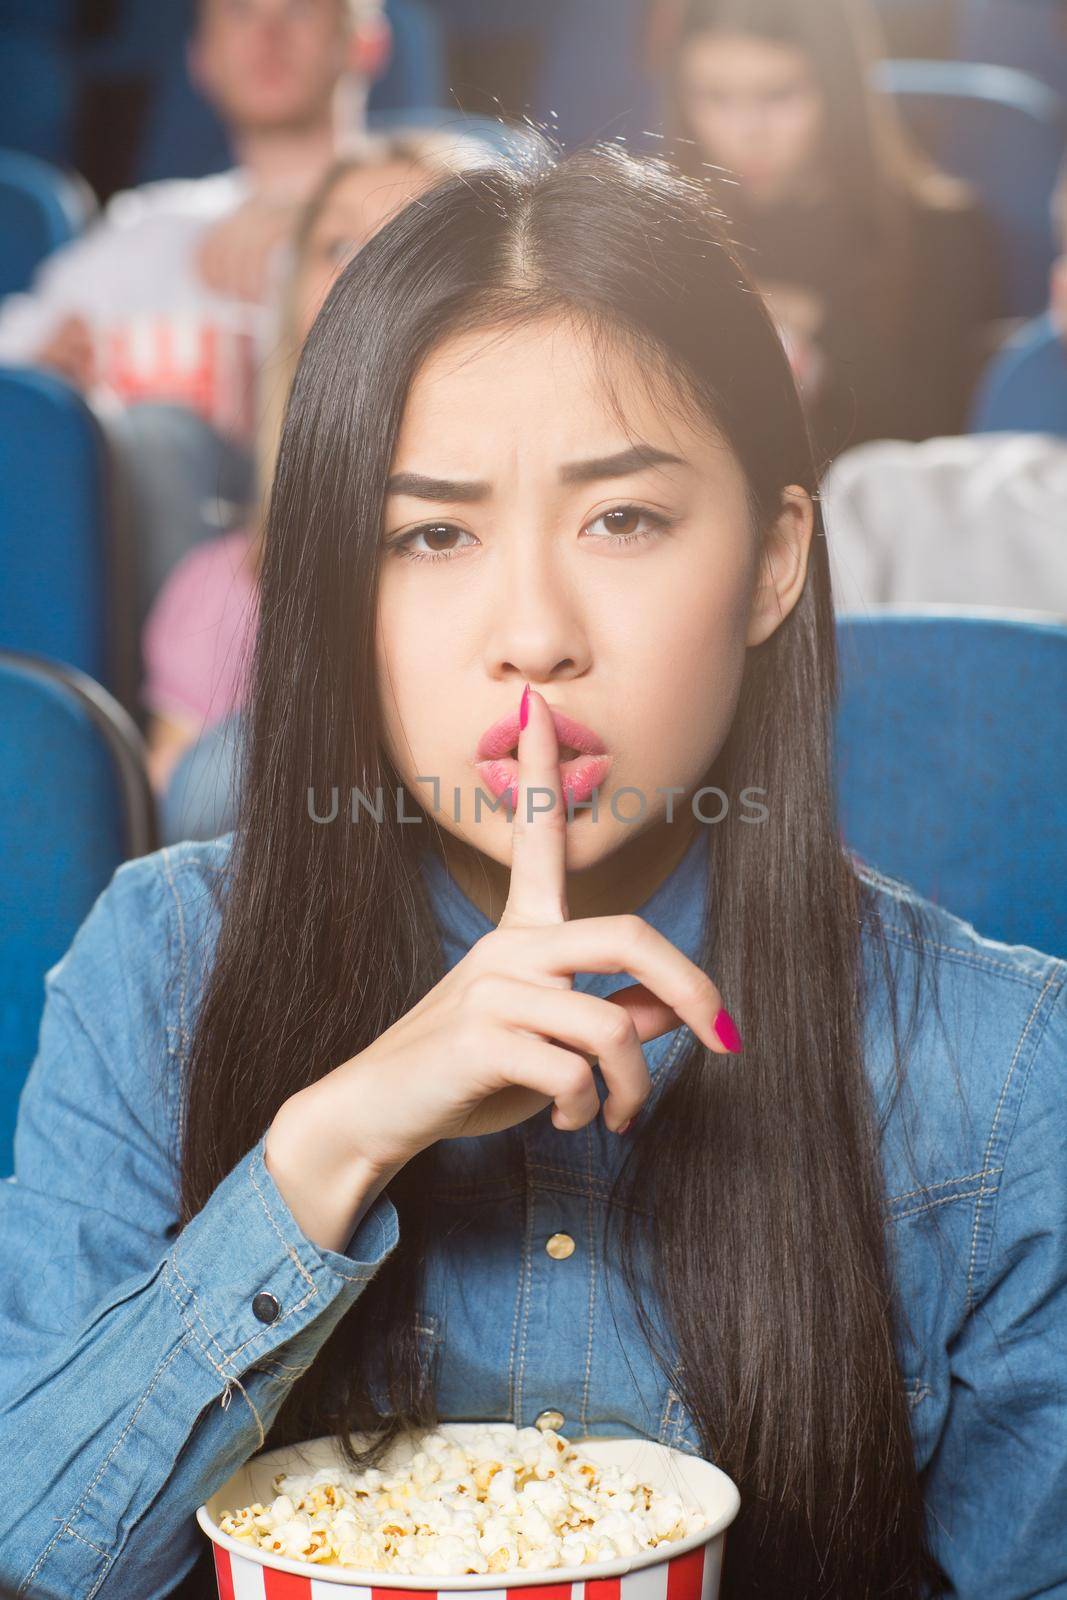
[974,520]
[1025,385]
[881,272]
[199,631]
[160,311]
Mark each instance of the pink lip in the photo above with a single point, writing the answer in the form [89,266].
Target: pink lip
[503,737]
[579,775]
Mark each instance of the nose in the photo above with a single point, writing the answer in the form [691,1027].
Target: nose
[536,626]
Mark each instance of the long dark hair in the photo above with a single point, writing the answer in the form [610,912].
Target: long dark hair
[745,1170]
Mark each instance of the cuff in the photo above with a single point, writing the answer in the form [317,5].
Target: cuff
[247,1278]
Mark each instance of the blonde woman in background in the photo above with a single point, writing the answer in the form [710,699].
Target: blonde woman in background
[199,631]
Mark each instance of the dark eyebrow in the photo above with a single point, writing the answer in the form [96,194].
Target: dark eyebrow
[617,466]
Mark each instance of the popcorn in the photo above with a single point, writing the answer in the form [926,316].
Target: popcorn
[505,1500]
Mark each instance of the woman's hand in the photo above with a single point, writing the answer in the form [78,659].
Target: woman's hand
[502,1036]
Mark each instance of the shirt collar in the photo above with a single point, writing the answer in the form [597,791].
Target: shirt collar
[676,908]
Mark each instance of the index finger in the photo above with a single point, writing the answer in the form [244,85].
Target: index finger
[538,890]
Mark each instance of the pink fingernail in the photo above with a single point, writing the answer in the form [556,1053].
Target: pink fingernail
[524,707]
[624,1126]
[726,1030]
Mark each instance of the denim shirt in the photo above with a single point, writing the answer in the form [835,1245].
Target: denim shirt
[135,1377]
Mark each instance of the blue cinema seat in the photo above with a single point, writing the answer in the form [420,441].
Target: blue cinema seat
[1030,34]
[75,804]
[593,82]
[951,763]
[39,75]
[40,209]
[1024,388]
[1003,131]
[55,529]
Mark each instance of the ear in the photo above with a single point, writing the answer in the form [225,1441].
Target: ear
[370,46]
[783,564]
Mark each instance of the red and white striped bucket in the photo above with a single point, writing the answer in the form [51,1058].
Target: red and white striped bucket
[691,1571]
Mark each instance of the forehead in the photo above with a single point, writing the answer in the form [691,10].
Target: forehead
[742,60]
[371,192]
[547,387]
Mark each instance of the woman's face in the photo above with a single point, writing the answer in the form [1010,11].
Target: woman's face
[754,107]
[356,207]
[624,592]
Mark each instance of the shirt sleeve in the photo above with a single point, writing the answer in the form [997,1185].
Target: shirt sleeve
[134,1375]
[69,282]
[997,1484]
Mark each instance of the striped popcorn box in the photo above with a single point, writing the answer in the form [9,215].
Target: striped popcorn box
[684,1569]
[200,360]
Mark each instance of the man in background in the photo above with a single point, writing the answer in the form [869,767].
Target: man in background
[159,311]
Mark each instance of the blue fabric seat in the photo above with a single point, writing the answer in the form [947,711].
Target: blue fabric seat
[1031,34]
[593,83]
[417,73]
[55,545]
[40,80]
[1024,388]
[75,803]
[40,209]
[951,763]
[1004,132]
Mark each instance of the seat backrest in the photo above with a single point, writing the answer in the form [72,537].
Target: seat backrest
[1024,388]
[1004,132]
[1031,35]
[40,209]
[39,102]
[54,525]
[951,763]
[75,804]
[593,80]
[417,73]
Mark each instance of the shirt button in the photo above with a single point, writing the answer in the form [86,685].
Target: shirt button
[265,1307]
[549,1419]
[560,1246]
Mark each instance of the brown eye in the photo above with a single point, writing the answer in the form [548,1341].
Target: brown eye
[437,535]
[622,524]
[623,520]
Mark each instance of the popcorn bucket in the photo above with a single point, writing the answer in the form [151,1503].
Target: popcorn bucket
[684,1569]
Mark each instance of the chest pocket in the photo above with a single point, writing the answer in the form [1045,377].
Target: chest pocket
[428,1337]
[677,1429]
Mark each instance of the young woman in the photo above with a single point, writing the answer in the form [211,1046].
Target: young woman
[881,271]
[325,1131]
[198,634]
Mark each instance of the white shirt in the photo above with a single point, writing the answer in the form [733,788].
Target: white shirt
[979,520]
[160,332]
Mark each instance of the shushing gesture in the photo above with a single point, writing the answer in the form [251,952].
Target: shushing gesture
[504,1034]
